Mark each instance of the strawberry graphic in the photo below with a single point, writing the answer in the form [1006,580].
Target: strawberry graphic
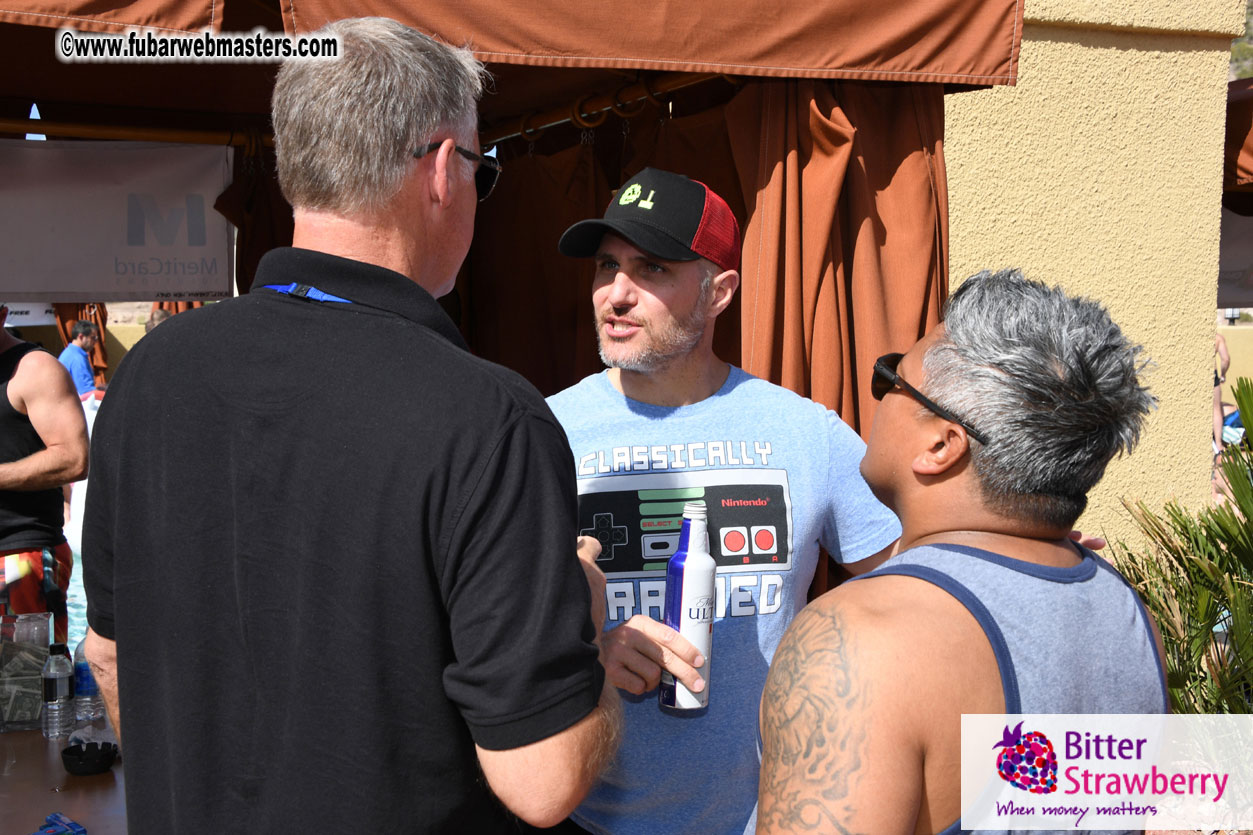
[1027,761]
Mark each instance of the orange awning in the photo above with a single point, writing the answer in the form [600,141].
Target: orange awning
[89,16]
[946,41]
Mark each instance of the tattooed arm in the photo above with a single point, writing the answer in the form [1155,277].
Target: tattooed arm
[838,754]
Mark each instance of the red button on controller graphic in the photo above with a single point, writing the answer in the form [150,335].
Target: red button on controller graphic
[765,541]
[734,541]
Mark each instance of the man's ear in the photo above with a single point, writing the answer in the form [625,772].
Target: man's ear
[948,445]
[439,184]
[722,291]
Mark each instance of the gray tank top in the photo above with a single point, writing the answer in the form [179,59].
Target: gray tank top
[1067,640]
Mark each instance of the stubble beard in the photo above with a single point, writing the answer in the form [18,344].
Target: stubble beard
[659,348]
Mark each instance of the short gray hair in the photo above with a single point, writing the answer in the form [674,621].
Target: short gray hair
[345,129]
[1052,382]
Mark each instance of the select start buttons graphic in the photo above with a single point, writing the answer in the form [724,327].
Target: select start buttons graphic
[742,540]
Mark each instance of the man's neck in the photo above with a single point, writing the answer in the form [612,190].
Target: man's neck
[681,383]
[370,239]
[972,524]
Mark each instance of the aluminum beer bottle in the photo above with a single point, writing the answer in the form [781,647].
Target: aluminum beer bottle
[690,605]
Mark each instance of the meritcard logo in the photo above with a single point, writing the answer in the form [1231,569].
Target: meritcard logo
[1027,761]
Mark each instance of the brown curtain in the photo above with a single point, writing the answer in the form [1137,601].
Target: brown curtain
[68,314]
[254,203]
[522,303]
[175,307]
[846,249]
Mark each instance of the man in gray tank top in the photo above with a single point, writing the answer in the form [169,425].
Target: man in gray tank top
[990,434]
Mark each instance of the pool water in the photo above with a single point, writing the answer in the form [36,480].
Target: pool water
[76,602]
[76,597]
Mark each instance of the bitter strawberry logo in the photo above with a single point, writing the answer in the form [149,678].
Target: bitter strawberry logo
[1027,761]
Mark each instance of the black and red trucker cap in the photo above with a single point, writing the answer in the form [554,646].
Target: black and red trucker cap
[666,215]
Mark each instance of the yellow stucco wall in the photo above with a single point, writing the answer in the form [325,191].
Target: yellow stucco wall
[1101,171]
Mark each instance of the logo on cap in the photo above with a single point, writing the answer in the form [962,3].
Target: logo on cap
[632,193]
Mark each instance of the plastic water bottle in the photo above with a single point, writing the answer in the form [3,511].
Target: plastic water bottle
[88,705]
[58,687]
[690,595]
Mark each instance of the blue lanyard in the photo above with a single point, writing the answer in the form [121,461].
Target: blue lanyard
[304,291]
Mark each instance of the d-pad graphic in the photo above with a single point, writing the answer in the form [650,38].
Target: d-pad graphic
[609,534]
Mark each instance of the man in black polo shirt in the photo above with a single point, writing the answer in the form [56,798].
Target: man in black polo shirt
[328,551]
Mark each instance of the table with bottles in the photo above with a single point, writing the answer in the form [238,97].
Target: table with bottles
[34,784]
[33,780]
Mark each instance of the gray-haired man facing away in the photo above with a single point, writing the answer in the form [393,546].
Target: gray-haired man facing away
[328,551]
[992,430]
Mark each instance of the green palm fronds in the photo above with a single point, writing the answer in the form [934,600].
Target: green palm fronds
[1196,578]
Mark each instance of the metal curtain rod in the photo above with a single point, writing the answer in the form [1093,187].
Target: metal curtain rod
[592,110]
[587,112]
[145,134]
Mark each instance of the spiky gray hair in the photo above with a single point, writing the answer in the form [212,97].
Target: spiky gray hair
[1052,382]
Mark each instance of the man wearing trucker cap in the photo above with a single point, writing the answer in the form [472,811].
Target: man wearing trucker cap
[669,420]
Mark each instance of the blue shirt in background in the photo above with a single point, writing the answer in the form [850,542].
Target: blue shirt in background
[75,360]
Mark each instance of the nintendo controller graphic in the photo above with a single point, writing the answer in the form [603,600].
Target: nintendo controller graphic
[637,518]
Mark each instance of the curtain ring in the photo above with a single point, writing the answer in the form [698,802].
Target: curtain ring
[582,119]
[620,109]
[529,133]
[650,95]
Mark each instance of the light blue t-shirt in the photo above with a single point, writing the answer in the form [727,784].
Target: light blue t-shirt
[779,475]
[75,360]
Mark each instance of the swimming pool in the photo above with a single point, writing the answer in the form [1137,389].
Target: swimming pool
[76,602]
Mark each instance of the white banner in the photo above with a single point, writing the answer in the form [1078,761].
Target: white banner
[1108,771]
[113,221]
[28,314]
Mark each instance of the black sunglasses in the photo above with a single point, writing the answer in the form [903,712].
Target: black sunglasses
[885,378]
[485,174]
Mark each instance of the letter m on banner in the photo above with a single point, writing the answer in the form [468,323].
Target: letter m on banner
[143,214]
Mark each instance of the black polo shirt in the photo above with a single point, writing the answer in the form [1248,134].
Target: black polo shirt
[336,550]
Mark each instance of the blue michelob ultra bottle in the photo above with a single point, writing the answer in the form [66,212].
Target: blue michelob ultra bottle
[690,597]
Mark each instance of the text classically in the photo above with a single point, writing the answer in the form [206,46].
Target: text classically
[695,455]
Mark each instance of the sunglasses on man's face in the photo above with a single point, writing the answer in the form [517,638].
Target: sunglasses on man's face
[885,378]
[486,173]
